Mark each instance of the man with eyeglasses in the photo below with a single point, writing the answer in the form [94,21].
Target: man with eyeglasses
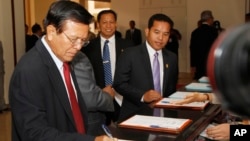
[45,99]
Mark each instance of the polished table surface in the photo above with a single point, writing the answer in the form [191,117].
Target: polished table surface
[200,120]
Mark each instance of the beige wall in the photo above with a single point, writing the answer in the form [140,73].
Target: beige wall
[185,14]
[229,12]
[6,36]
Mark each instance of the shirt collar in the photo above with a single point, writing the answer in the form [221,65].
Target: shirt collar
[57,61]
[152,51]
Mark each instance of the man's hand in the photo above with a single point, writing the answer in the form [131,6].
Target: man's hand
[151,96]
[108,89]
[193,97]
[219,132]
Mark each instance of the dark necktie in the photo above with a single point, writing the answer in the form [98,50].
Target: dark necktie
[74,104]
[156,77]
[107,64]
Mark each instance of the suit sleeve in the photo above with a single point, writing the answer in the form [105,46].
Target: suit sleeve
[32,110]
[95,98]
[123,76]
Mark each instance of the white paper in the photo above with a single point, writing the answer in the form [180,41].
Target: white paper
[155,122]
[204,134]
[204,79]
[118,98]
[170,102]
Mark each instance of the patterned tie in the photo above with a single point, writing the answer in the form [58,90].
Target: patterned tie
[157,82]
[107,64]
[74,104]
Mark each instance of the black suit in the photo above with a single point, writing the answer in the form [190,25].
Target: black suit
[135,36]
[133,77]
[39,100]
[202,39]
[93,51]
[30,41]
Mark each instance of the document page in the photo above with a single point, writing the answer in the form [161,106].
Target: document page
[179,95]
[156,123]
[204,134]
[169,103]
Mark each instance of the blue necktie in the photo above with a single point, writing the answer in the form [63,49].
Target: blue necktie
[107,64]
[157,82]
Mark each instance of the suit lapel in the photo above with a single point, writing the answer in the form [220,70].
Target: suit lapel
[118,47]
[145,60]
[57,80]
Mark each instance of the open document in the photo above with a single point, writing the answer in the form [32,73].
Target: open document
[169,103]
[152,123]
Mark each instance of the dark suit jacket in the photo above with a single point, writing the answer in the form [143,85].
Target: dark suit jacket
[97,101]
[30,41]
[135,37]
[133,77]
[39,101]
[93,51]
[202,39]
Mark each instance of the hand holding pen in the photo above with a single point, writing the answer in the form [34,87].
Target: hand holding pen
[108,133]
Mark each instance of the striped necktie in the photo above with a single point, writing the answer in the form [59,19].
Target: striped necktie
[107,64]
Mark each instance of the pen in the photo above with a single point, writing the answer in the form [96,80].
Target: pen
[107,131]
[164,102]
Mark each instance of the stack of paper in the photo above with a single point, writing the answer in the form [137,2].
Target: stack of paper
[204,79]
[152,123]
[200,87]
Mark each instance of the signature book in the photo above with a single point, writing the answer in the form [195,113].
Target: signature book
[169,103]
[159,124]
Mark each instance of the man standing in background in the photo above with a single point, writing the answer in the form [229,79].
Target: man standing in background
[103,52]
[133,33]
[202,39]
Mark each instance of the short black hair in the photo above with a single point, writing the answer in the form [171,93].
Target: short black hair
[36,27]
[160,17]
[106,12]
[60,11]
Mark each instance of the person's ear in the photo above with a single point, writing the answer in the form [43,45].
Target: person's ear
[146,32]
[51,32]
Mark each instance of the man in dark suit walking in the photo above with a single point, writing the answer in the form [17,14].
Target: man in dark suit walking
[45,99]
[135,77]
[106,21]
[133,33]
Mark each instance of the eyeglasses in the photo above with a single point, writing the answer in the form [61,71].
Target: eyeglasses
[75,42]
